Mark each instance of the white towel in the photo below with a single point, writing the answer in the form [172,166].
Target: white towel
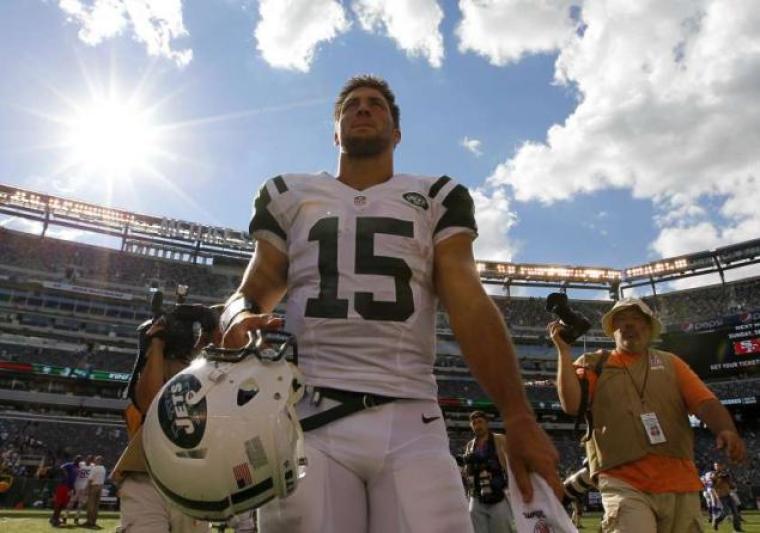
[544,514]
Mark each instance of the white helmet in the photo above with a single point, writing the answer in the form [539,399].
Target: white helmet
[222,436]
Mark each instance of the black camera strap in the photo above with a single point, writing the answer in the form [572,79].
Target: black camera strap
[584,409]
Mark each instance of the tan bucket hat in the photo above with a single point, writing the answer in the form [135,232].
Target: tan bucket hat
[626,303]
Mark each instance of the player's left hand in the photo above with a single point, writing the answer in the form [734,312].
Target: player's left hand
[529,449]
[732,443]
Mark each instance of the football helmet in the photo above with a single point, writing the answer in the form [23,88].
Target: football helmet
[222,436]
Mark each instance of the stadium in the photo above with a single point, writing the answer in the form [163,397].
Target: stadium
[69,311]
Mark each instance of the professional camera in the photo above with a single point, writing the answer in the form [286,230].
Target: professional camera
[180,322]
[485,479]
[578,484]
[572,323]
[180,325]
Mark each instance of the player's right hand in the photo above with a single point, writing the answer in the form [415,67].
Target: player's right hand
[529,449]
[236,335]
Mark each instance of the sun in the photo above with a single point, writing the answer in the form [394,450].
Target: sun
[112,136]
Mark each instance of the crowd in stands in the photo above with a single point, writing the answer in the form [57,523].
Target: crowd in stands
[89,357]
[704,303]
[539,391]
[35,321]
[33,448]
[736,388]
[79,262]
[522,312]
[544,390]
[76,263]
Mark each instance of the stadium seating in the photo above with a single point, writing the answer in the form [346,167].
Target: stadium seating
[78,327]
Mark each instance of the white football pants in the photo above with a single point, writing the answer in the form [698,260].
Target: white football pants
[382,470]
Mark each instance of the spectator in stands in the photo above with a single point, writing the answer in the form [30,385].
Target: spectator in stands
[143,509]
[640,444]
[95,484]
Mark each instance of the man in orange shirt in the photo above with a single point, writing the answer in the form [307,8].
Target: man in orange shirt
[639,443]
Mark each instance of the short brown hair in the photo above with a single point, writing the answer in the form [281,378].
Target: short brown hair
[478,414]
[373,82]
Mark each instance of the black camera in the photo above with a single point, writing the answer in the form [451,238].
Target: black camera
[572,323]
[179,332]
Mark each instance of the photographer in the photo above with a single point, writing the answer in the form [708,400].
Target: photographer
[723,483]
[167,345]
[639,443]
[577,486]
[485,463]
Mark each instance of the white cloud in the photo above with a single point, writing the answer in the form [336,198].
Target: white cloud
[494,218]
[20,224]
[65,234]
[668,108]
[674,241]
[506,30]
[155,23]
[414,26]
[290,31]
[472,145]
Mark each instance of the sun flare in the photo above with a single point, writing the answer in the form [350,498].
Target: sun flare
[112,136]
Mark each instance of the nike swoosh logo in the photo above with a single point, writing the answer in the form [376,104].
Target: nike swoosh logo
[427,420]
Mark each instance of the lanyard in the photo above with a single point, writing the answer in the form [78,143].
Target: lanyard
[646,377]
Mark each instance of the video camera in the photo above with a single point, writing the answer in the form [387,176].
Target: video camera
[178,332]
[572,323]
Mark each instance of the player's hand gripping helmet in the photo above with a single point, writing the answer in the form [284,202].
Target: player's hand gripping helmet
[222,436]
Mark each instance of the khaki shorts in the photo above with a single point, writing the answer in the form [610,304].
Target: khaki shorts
[143,510]
[627,510]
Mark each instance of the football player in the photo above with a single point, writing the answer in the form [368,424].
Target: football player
[78,498]
[364,257]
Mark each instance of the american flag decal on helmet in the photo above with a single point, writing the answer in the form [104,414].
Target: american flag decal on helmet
[242,475]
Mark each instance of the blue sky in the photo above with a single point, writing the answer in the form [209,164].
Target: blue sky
[591,132]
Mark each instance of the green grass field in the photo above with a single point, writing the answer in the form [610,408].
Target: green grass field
[34,521]
[37,522]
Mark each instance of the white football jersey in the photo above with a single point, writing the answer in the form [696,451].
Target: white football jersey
[361,299]
[83,475]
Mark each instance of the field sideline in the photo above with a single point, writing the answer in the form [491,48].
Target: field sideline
[33,521]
